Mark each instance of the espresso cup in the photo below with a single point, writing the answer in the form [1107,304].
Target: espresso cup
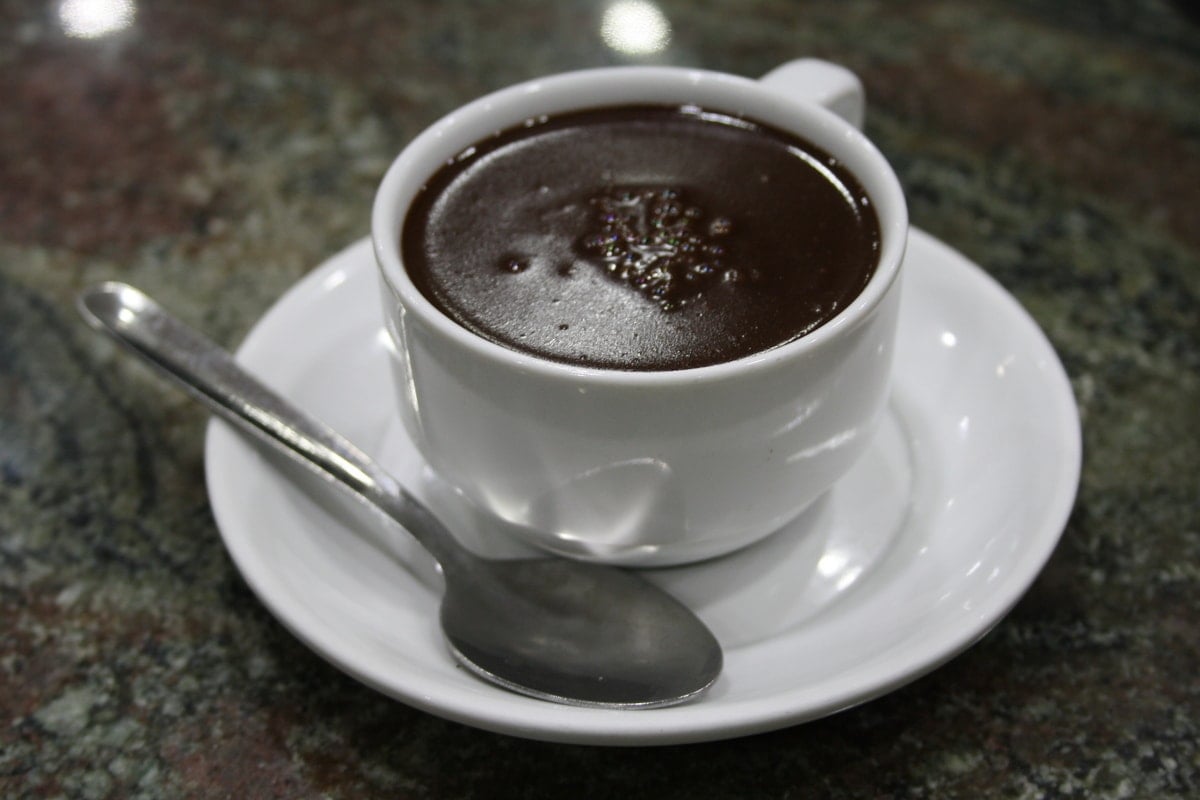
[645,467]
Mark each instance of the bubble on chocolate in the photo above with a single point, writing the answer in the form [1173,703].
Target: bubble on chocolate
[721,226]
[656,242]
[514,264]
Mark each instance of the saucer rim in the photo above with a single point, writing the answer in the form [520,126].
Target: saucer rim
[489,708]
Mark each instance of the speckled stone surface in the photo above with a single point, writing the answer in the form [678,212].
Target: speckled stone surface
[212,153]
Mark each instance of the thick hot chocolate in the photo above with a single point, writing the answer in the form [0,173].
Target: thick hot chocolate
[641,238]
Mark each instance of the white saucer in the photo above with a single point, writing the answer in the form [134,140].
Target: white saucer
[910,559]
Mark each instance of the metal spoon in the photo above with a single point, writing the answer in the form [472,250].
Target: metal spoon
[560,630]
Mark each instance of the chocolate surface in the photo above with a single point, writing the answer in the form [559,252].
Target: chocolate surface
[641,237]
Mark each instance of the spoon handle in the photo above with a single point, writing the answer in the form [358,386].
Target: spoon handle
[212,376]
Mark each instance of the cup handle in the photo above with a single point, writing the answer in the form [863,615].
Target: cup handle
[811,80]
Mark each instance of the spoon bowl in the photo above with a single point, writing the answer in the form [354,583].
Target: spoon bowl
[560,630]
[577,633]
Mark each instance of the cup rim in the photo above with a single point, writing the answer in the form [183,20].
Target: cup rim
[592,88]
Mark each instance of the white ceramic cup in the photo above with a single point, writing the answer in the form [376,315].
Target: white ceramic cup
[646,468]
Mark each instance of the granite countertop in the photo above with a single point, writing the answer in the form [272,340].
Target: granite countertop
[214,153]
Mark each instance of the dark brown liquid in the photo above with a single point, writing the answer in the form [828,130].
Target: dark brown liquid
[641,238]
